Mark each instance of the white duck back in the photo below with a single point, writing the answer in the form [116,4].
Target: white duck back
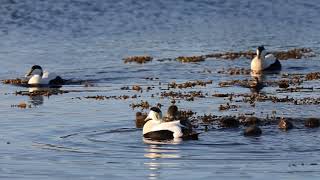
[173,126]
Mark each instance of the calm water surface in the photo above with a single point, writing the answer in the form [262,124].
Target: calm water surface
[63,137]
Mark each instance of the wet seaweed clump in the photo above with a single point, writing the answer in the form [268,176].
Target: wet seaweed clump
[15,81]
[224,107]
[192,59]
[229,122]
[140,119]
[312,122]
[249,121]
[232,55]
[100,97]
[189,96]
[134,87]
[283,84]
[142,105]
[263,98]
[235,71]
[221,95]
[295,89]
[189,84]
[244,83]
[204,119]
[21,105]
[252,131]
[186,114]
[285,124]
[138,59]
[296,53]
[312,76]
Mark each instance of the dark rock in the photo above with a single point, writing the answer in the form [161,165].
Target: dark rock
[252,131]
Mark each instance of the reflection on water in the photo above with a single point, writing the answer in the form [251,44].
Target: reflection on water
[43,89]
[160,158]
[258,82]
[36,100]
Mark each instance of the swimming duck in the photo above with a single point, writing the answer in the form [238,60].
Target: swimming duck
[264,61]
[157,129]
[37,77]
[172,114]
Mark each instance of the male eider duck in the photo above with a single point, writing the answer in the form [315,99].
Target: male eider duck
[38,77]
[156,129]
[264,61]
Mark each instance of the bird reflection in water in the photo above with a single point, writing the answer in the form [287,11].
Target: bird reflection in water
[36,100]
[161,158]
[37,94]
[257,82]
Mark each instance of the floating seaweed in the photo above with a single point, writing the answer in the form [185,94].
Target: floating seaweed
[191,59]
[189,96]
[251,98]
[221,95]
[296,53]
[48,93]
[284,84]
[134,87]
[312,76]
[100,97]
[16,81]
[235,71]
[248,121]
[312,122]
[224,107]
[142,104]
[22,105]
[253,130]
[248,83]
[138,59]
[189,84]
[232,55]
[285,124]
[229,122]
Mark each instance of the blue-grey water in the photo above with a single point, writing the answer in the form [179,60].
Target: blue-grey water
[63,137]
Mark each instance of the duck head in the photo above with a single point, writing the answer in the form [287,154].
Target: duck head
[35,70]
[154,114]
[261,51]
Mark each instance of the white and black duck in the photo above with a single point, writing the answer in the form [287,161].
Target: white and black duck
[37,77]
[157,129]
[264,62]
